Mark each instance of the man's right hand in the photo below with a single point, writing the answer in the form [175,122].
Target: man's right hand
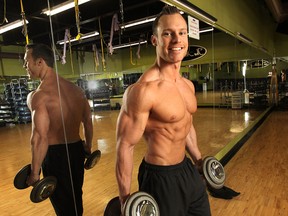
[32,179]
[87,148]
[199,166]
[122,202]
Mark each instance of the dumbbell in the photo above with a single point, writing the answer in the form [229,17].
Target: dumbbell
[92,159]
[42,189]
[213,172]
[138,204]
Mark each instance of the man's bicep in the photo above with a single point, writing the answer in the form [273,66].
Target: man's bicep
[130,127]
[40,120]
[133,115]
[29,100]
[87,115]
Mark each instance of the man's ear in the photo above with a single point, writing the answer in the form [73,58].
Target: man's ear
[40,61]
[153,40]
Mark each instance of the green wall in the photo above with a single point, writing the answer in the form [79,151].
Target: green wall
[245,16]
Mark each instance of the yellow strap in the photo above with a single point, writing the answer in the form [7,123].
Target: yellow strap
[102,48]
[79,35]
[131,56]
[4,14]
[70,51]
[95,58]
[24,21]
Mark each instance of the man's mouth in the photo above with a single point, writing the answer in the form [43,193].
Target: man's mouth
[176,48]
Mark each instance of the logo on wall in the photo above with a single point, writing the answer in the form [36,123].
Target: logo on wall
[195,52]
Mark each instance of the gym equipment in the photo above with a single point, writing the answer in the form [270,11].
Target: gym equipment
[42,189]
[138,204]
[92,159]
[213,172]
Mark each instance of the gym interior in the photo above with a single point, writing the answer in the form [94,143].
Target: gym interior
[237,61]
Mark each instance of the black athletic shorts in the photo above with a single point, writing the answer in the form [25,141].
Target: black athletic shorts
[179,189]
[56,164]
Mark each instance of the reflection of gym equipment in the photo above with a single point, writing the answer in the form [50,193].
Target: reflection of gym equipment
[273,93]
[92,159]
[225,96]
[42,189]
[131,78]
[6,113]
[16,94]
[138,204]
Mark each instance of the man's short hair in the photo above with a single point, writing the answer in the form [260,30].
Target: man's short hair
[42,51]
[166,10]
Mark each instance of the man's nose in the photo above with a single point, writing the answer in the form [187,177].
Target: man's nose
[176,38]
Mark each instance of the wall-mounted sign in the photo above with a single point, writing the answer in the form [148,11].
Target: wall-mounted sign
[193,28]
[195,52]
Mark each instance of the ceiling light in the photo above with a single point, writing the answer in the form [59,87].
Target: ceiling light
[63,7]
[129,44]
[192,9]
[84,36]
[138,22]
[141,21]
[208,29]
[12,25]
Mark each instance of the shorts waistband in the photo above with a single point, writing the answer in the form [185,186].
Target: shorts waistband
[57,146]
[165,168]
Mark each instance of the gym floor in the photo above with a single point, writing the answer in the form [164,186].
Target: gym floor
[258,171]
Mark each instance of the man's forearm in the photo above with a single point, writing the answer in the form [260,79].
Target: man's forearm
[124,184]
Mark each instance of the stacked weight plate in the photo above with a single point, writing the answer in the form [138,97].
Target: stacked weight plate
[20,92]
[7,113]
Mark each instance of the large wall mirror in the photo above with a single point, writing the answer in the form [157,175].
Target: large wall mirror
[214,63]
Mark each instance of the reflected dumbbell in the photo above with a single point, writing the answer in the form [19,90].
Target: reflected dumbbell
[42,189]
[92,159]
[138,204]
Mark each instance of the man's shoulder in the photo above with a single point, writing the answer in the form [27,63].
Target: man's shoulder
[36,98]
[141,87]
[150,75]
[39,94]
[35,93]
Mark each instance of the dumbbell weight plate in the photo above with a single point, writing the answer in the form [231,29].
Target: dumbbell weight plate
[214,172]
[113,207]
[43,189]
[141,203]
[21,177]
[92,160]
